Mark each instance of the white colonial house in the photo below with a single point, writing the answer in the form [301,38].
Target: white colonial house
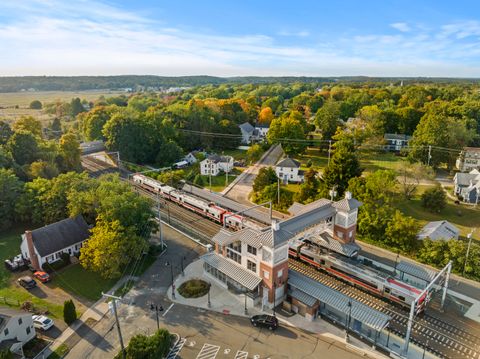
[439,230]
[46,244]
[288,170]
[396,142]
[190,158]
[467,186]
[469,159]
[16,329]
[214,164]
[253,133]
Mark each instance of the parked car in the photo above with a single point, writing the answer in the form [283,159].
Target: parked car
[42,322]
[27,282]
[264,320]
[42,276]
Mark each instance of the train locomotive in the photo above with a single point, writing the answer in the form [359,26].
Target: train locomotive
[206,209]
[354,272]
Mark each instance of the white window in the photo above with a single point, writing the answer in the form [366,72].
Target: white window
[340,234]
[280,273]
[266,274]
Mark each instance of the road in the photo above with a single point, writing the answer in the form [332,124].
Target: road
[240,191]
[208,335]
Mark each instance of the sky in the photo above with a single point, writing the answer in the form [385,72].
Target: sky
[240,38]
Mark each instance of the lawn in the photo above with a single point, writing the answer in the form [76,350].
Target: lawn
[218,182]
[371,162]
[318,158]
[9,246]
[237,154]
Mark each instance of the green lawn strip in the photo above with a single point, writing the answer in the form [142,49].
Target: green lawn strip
[79,281]
[17,296]
[60,352]
[9,246]
[236,154]
[218,182]
[380,161]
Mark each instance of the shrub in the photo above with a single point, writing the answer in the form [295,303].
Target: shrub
[6,354]
[434,199]
[148,347]
[36,105]
[54,266]
[69,312]
[194,288]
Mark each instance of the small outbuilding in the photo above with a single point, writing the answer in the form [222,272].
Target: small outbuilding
[439,230]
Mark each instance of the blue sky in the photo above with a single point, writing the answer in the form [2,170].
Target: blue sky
[227,38]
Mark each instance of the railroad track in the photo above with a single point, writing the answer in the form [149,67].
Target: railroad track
[441,338]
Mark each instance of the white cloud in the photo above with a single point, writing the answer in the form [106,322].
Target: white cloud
[401,26]
[56,38]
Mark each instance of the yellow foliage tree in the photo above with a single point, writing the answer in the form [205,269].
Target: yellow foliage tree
[265,116]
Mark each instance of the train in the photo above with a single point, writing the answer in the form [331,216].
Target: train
[355,273]
[198,205]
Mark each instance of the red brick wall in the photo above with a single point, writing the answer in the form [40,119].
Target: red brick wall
[346,238]
[31,250]
[273,277]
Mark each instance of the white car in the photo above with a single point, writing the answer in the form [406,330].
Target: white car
[42,322]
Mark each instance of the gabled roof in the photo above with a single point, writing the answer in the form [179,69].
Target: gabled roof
[59,235]
[421,272]
[289,163]
[347,204]
[432,227]
[298,208]
[247,127]
[326,240]
[216,158]
[464,179]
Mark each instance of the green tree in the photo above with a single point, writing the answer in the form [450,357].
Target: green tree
[172,178]
[327,118]
[30,124]
[10,191]
[92,122]
[401,232]
[343,166]
[23,146]
[411,175]
[266,176]
[35,105]
[148,347]
[69,312]
[111,240]
[288,130]
[76,107]
[198,180]
[409,118]
[434,199]
[70,152]
[169,153]
[5,132]
[43,169]
[254,153]
[309,188]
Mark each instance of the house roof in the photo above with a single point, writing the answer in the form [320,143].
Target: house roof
[347,204]
[59,235]
[241,275]
[395,136]
[444,226]
[464,179]
[472,149]
[247,127]
[216,158]
[297,208]
[337,300]
[289,163]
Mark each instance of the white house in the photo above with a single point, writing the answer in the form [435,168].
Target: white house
[396,142]
[467,186]
[260,131]
[16,329]
[439,230]
[288,170]
[190,158]
[213,164]
[469,159]
[46,244]
[247,132]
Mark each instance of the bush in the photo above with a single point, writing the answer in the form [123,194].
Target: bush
[148,347]
[36,105]
[69,312]
[54,266]
[434,199]
[6,354]
[194,288]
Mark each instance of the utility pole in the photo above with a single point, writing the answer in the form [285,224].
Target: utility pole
[469,236]
[429,154]
[278,191]
[114,306]
[329,151]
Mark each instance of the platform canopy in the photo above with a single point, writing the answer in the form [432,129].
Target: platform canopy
[417,271]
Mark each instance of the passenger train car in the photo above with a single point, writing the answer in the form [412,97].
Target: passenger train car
[379,283]
[195,204]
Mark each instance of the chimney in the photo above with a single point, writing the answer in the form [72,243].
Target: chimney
[275,225]
[31,250]
[348,195]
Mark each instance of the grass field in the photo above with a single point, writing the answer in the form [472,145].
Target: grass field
[218,182]
[9,246]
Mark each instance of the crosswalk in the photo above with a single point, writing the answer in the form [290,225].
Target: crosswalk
[176,349]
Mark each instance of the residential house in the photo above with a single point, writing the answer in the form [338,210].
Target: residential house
[396,142]
[247,132]
[261,131]
[16,329]
[439,230]
[254,262]
[213,164]
[288,170]
[467,186]
[469,159]
[47,244]
[190,158]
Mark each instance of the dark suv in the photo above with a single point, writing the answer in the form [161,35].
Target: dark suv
[264,320]
[27,282]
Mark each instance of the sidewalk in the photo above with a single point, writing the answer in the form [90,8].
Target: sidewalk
[228,303]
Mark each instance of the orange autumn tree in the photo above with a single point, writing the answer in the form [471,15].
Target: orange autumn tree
[265,116]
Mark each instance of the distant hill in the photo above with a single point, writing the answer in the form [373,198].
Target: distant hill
[81,83]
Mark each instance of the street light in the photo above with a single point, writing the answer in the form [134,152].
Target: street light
[208,296]
[469,236]
[171,273]
[245,293]
[274,299]
[156,308]
[349,304]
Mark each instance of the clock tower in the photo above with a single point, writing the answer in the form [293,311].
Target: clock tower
[345,224]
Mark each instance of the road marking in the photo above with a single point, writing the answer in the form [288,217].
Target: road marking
[256,356]
[241,355]
[170,307]
[208,351]
[192,343]
[226,351]
[176,349]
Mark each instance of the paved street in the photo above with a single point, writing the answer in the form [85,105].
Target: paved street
[207,334]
